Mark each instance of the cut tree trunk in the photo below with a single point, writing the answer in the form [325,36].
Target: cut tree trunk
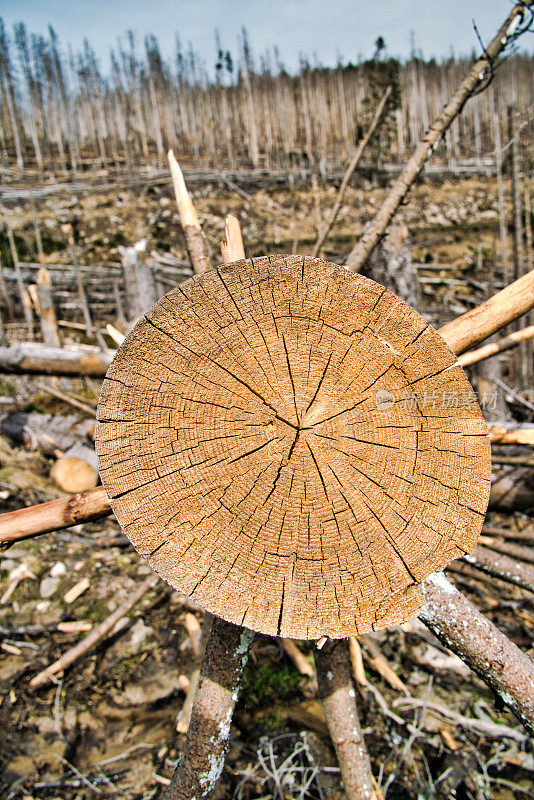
[309,390]
[76,470]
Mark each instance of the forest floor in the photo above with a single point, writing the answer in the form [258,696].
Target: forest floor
[108,726]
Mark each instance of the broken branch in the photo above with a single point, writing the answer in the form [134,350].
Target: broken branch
[53,516]
[476,640]
[471,83]
[68,658]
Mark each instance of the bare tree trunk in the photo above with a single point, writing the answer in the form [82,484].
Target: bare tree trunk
[500,194]
[339,702]
[26,307]
[202,762]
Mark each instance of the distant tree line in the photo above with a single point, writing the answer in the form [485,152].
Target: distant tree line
[60,113]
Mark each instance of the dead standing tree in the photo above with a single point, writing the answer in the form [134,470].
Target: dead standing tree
[483,68]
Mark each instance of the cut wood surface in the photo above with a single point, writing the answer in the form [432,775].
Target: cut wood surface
[261,447]
[76,470]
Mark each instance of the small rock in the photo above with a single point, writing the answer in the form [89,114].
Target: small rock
[48,587]
[139,633]
[7,564]
[58,569]
[42,606]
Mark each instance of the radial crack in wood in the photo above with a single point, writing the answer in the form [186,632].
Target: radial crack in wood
[294,447]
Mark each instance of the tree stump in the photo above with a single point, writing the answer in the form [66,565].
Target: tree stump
[294,447]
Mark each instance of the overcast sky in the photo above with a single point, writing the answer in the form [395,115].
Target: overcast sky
[326,28]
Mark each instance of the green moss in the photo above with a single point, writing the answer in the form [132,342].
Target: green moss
[266,681]
[5,475]
[272,721]
[7,388]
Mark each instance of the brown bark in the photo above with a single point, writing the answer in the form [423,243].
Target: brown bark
[195,248]
[53,516]
[426,147]
[202,761]
[476,640]
[337,693]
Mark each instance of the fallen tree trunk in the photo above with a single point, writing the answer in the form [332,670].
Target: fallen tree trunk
[509,549]
[503,567]
[476,640]
[38,359]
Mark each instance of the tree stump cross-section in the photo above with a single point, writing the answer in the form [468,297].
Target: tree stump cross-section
[294,447]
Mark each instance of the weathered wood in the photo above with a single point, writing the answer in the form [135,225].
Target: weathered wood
[139,281]
[371,236]
[37,359]
[339,702]
[481,322]
[511,549]
[202,761]
[303,404]
[503,567]
[53,516]
[76,470]
[189,218]
[26,306]
[47,313]
[232,248]
[467,632]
